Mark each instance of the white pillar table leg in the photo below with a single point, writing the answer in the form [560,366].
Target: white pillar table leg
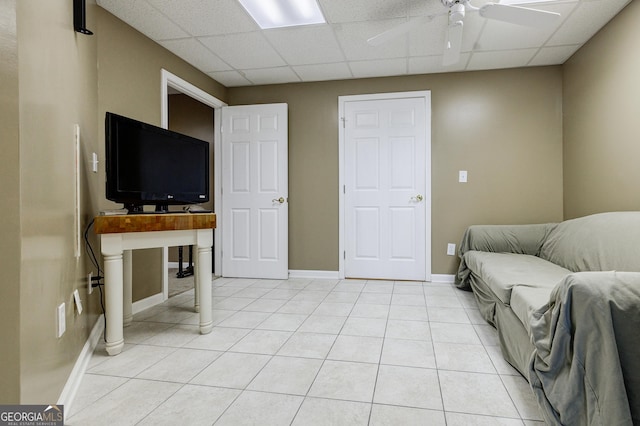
[204,284]
[127,301]
[196,289]
[113,295]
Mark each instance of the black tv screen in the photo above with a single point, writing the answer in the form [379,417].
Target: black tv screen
[148,165]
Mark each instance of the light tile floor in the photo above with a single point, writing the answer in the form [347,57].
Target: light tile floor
[308,352]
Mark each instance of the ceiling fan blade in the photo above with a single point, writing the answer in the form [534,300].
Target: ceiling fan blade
[453,44]
[519,15]
[398,30]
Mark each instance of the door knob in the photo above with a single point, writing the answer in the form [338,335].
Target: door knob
[417,198]
[278,200]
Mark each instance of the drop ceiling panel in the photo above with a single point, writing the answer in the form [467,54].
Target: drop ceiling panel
[428,8]
[207,17]
[196,54]
[244,51]
[272,76]
[473,26]
[503,58]
[353,40]
[145,19]
[553,55]
[433,64]
[378,68]
[428,39]
[586,20]
[306,45]
[229,78]
[503,36]
[337,11]
[498,35]
[320,72]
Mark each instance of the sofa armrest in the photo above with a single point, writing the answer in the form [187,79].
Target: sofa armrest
[584,367]
[518,239]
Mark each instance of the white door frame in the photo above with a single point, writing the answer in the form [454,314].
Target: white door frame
[169,80]
[426,94]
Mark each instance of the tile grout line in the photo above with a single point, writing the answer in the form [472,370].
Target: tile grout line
[384,338]
[241,390]
[321,365]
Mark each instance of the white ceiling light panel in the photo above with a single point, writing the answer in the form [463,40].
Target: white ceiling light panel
[283,13]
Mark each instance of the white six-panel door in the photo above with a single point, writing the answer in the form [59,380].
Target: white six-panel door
[254,222]
[386,163]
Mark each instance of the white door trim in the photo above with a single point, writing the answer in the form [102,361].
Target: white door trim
[167,80]
[426,94]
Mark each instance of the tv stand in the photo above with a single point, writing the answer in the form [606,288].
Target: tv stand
[119,235]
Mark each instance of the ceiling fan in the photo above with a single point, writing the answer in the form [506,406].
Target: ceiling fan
[457,8]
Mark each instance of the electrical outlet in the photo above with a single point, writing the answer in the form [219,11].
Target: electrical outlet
[90,282]
[61,320]
[451,249]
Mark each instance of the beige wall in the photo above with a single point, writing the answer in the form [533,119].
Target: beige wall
[602,120]
[10,195]
[129,84]
[57,75]
[504,127]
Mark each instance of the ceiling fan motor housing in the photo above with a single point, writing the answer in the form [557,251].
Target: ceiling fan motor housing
[450,3]
[456,13]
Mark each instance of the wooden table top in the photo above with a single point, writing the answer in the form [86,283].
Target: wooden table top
[115,224]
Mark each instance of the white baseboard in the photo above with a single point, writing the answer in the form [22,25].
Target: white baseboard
[334,275]
[175,265]
[324,275]
[147,303]
[70,389]
[443,278]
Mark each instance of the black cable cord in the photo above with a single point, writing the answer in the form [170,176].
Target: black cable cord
[104,336]
[96,264]
[89,249]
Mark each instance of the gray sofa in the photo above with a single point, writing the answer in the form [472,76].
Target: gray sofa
[565,300]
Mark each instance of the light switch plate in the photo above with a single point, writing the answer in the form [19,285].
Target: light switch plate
[462,176]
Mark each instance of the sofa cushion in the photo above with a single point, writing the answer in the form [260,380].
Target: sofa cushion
[525,300]
[503,271]
[600,242]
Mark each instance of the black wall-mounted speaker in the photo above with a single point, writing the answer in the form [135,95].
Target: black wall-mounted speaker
[79,17]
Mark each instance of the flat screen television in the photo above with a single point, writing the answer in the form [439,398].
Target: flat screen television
[148,165]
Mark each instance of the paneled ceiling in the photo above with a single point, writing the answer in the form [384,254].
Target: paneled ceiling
[219,38]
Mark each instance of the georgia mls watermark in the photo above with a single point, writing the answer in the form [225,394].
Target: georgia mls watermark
[31,415]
